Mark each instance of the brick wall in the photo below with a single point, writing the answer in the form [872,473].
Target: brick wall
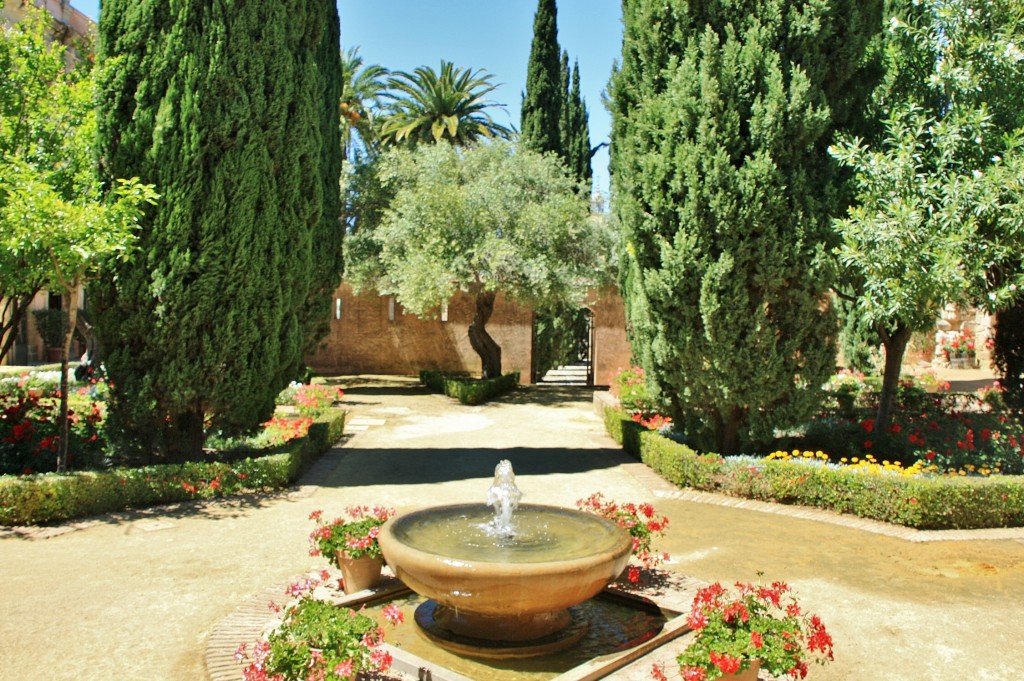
[611,351]
[366,341]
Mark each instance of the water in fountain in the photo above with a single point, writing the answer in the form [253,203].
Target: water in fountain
[504,497]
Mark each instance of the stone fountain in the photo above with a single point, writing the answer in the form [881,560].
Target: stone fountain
[501,580]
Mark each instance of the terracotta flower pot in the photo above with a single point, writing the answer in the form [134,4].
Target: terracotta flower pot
[748,674]
[359,573]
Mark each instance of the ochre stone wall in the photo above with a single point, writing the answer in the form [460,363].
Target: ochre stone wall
[366,341]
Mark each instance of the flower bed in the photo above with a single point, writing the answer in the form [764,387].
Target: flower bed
[933,503]
[468,390]
[51,498]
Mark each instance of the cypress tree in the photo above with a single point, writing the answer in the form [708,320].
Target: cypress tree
[722,114]
[231,110]
[565,132]
[578,147]
[541,114]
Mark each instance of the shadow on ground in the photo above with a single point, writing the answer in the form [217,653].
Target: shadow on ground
[402,466]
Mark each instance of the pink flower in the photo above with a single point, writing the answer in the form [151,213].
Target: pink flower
[344,670]
[381,659]
[393,614]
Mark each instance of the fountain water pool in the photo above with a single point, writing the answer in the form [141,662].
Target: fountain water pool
[501,583]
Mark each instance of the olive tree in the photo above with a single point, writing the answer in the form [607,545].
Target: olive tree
[485,219]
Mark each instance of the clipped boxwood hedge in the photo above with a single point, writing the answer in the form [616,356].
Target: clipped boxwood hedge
[467,390]
[53,498]
[935,503]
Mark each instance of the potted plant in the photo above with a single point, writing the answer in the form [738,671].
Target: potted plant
[51,325]
[641,521]
[350,544]
[316,639]
[749,627]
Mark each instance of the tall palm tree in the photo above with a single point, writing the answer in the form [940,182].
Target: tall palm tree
[361,91]
[427,106]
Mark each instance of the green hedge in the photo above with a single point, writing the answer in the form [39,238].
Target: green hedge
[53,498]
[467,390]
[935,503]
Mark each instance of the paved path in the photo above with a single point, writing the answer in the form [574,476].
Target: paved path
[135,596]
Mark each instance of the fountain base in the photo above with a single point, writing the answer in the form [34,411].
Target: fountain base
[493,637]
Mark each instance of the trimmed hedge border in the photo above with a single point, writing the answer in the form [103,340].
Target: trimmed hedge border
[467,390]
[51,498]
[939,503]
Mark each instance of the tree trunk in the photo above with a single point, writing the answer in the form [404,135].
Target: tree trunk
[93,351]
[184,438]
[483,344]
[71,307]
[13,312]
[895,348]
[729,432]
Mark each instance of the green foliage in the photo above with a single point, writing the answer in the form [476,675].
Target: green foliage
[560,337]
[51,325]
[541,111]
[213,317]
[362,88]
[1008,353]
[858,338]
[30,431]
[576,133]
[322,626]
[938,182]
[470,391]
[484,219]
[354,534]
[630,388]
[56,230]
[491,217]
[431,106]
[752,622]
[722,113]
[53,498]
[926,503]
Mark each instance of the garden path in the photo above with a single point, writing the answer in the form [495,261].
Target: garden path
[135,595]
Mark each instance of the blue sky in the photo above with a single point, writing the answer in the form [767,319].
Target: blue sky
[495,36]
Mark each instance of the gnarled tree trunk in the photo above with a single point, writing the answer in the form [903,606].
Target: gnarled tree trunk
[483,344]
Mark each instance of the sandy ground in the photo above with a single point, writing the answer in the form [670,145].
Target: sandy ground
[134,596]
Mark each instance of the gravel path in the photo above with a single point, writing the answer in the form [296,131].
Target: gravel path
[136,595]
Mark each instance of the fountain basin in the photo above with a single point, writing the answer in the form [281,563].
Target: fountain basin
[504,588]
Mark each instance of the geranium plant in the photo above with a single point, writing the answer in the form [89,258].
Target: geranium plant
[751,622]
[642,522]
[317,639]
[354,534]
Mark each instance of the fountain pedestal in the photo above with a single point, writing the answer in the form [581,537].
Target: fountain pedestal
[506,595]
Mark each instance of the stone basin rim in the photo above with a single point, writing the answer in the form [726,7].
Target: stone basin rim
[617,538]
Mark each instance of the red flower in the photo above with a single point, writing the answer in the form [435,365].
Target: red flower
[727,663]
[868,424]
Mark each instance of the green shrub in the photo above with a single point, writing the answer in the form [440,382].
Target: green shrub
[927,503]
[51,498]
[467,390]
